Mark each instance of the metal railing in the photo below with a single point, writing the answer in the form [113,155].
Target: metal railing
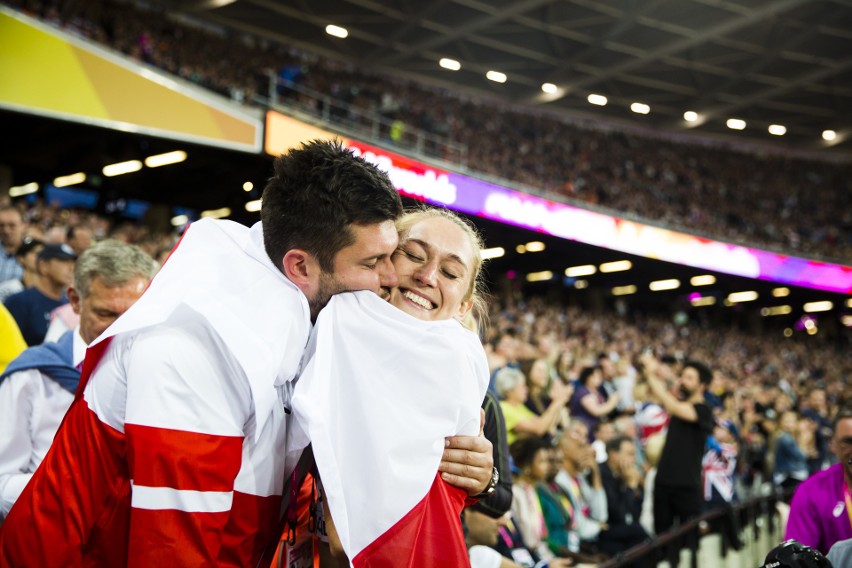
[754,522]
[365,123]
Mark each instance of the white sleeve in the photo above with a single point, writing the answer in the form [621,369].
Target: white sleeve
[18,394]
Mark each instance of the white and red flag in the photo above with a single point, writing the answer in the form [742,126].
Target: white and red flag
[379,392]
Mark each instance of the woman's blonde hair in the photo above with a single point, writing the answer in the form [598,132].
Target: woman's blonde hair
[476,318]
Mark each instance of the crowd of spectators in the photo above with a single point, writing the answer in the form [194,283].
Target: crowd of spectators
[772,401]
[768,200]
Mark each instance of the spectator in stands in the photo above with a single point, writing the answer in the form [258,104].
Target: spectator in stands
[79,238]
[790,465]
[587,402]
[532,458]
[677,493]
[31,308]
[27,256]
[38,387]
[580,480]
[12,229]
[622,482]
[511,385]
[604,432]
[481,534]
[821,510]
[190,376]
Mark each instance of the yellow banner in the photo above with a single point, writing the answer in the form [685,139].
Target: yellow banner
[50,73]
[283,133]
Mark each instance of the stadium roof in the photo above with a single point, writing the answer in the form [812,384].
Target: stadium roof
[783,62]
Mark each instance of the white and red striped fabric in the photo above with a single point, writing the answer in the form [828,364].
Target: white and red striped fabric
[173,454]
[380,392]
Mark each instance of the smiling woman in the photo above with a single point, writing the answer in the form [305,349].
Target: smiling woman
[386,387]
[439,266]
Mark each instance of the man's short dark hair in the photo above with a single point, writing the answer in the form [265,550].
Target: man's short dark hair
[705,375]
[524,450]
[843,413]
[615,444]
[316,193]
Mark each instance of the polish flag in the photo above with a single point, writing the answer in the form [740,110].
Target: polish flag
[379,392]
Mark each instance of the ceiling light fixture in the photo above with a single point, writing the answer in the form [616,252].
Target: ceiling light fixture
[336,31]
[496,76]
[450,64]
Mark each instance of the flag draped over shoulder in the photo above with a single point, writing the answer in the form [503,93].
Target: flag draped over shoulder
[379,392]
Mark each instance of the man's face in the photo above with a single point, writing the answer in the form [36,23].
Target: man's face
[30,260]
[363,265]
[482,529]
[104,305]
[81,240]
[11,229]
[841,444]
[57,272]
[688,384]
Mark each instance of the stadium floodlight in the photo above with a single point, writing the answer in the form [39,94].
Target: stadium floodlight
[822,306]
[220,213]
[248,186]
[776,311]
[496,76]
[494,252]
[640,108]
[336,31]
[702,280]
[736,123]
[583,270]
[660,285]
[26,189]
[702,301]
[624,290]
[616,266]
[534,246]
[829,135]
[747,296]
[542,276]
[450,64]
[549,88]
[71,179]
[179,220]
[121,168]
[598,100]
[777,129]
[253,206]
[166,159]
[781,292]
[690,116]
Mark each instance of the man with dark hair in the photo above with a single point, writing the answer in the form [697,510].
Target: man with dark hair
[174,452]
[622,483]
[677,489]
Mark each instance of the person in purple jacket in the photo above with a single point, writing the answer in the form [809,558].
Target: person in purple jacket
[821,510]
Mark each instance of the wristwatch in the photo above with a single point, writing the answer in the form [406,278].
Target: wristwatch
[492,484]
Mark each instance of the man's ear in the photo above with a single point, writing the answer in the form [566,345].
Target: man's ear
[73,299]
[302,269]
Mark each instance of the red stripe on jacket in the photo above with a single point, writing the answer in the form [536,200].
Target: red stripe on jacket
[208,462]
